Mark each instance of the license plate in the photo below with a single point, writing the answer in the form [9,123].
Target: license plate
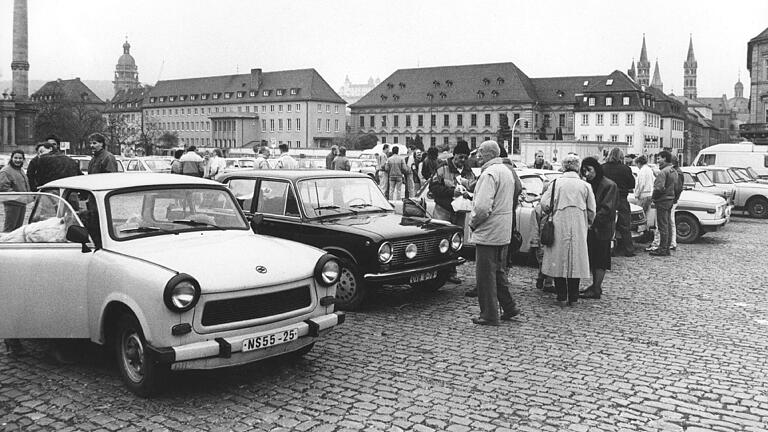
[268,340]
[421,277]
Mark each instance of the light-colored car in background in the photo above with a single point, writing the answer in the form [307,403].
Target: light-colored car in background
[750,196]
[84,160]
[750,173]
[364,166]
[696,178]
[156,164]
[223,297]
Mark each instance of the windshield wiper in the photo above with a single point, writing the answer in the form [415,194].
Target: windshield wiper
[147,229]
[335,207]
[368,205]
[196,223]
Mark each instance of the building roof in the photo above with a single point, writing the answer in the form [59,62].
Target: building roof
[126,59]
[719,105]
[70,90]
[125,99]
[452,85]
[617,81]
[308,83]
[562,89]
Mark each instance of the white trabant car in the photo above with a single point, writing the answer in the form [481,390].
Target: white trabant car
[164,269]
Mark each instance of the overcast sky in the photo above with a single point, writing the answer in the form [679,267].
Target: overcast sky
[191,38]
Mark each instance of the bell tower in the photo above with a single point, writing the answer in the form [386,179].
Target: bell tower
[689,73]
[643,67]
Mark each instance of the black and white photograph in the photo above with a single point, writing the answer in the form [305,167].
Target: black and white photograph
[340,215]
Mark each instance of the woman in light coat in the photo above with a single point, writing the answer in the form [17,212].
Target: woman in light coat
[567,258]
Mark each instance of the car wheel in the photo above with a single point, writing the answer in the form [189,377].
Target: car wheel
[758,207]
[350,290]
[140,373]
[686,228]
[433,285]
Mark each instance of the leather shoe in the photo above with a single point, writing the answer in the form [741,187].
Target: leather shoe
[509,314]
[471,293]
[483,321]
[658,252]
[589,293]
[454,279]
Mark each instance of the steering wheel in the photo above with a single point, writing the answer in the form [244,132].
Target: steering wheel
[353,200]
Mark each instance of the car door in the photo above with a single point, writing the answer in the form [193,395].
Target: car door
[276,200]
[44,276]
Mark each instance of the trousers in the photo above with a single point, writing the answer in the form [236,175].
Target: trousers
[492,284]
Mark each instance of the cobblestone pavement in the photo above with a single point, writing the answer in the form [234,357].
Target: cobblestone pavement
[677,345]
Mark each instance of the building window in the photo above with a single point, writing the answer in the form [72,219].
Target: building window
[362,121]
[384,121]
[335,125]
[336,109]
[271,125]
[459,120]
[319,125]
[298,109]
[319,108]
[625,100]
[328,108]
[614,119]
[599,138]
[630,119]
[432,141]
[585,119]
[420,120]
[383,138]
[395,120]
[294,91]
[298,128]
[487,119]
[608,101]
[473,142]
[288,107]
[280,108]
[394,140]
[407,120]
[446,120]
[279,92]
[271,108]
[599,121]
[373,121]
[265,93]
[240,94]
[280,125]
[591,101]
[561,120]
[628,139]
[473,120]
[227,95]
[722,124]
[585,138]
[433,120]
[288,124]
[327,125]
[614,138]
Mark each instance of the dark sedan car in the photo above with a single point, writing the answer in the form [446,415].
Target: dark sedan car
[347,215]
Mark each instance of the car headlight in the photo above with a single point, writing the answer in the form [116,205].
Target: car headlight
[327,270]
[385,252]
[411,250]
[457,241]
[444,245]
[181,293]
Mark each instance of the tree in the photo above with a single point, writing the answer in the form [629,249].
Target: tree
[69,119]
[168,140]
[504,133]
[359,141]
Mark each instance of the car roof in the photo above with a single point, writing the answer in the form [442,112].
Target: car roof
[295,174]
[110,181]
[714,167]
[692,169]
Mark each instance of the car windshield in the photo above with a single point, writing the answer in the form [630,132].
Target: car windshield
[322,197]
[719,176]
[158,165]
[752,173]
[703,179]
[171,211]
[738,177]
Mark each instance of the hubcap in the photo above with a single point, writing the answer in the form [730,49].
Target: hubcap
[347,286]
[684,229]
[132,356]
[759,209]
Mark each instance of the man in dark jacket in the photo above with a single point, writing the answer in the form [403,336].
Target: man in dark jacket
[50,164]
[614,169]
[103,161]
[664,197]
[601,232]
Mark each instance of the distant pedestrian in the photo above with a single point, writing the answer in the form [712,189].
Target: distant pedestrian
[13,179]
[261,158]
[216,164]
[539,162]
[680,180]
[50,164]
[491,222]
[102,161]
[429,165]
[331,156]
[381,161]
[567,259]
[663,198]
[286,161]
[601,231]
[340,162]
[396,170]
[615,169]
[413,166]
[192,164]
[644,183]
[176,163]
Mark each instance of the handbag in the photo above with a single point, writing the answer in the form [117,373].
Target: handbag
[547,236]
[414,208]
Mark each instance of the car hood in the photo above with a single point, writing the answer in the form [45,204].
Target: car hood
[384,225]
[226,260]
[752,185]
[692,198]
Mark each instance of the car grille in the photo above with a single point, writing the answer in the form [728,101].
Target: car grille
[428,248]
[256,306]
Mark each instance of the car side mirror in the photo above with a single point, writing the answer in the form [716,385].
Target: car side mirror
[256,220]
[78,234]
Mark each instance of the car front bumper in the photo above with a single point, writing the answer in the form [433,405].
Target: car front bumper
[405,274]
[228,351]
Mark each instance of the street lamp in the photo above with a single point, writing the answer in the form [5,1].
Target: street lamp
[512,144]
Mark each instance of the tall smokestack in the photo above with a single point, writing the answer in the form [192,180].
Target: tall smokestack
[20,65]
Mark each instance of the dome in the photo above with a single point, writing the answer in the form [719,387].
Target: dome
[126,59]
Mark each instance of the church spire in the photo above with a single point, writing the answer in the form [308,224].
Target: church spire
[656,82]
[691,58]
[689,72]
[631,71]
[643,66]
[643,52]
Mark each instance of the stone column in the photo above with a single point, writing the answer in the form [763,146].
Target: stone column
[12,130]
[4,136]
[20,65]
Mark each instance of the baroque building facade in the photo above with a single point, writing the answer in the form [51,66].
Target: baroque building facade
[756,130]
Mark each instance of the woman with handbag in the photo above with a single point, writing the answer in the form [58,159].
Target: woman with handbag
[603,227]
[569,204]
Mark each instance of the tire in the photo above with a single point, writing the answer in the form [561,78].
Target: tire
[758,207]
[351,289]
[687,228]
[433,285]
[140,373]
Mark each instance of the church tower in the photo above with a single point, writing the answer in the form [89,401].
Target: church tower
[656,83]
[738,89]
[643,66]
[126,72]
[632,71]
[689,73]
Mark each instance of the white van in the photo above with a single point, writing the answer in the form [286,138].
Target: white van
[742,155]
[371,153]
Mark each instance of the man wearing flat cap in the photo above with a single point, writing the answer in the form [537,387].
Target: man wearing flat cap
[452,180]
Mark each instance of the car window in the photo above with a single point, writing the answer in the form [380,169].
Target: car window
[35,218]
[134,165]
[719,176]
[688,180]
[737,176]
[329,196]
[170,211]
[84,204]
[707,159]
[243,191]
[272,197]
[158,165]
[704,179]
